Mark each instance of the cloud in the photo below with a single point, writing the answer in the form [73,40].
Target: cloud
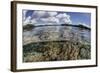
[50,20]
[27,20]
[43,14]
[52,13]
[47,17]
[38,14]
[64,18]
[65,21]
[24,14]
[63,15]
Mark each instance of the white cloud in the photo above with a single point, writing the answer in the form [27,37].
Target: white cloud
[52,13]
[39,14]
[27,20]
[65,21]
[24,14]
[43,14]
[61,18]
[47,17]
[63,15]
[50,20]
[64,18]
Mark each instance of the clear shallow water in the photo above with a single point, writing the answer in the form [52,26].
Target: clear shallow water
[55,33]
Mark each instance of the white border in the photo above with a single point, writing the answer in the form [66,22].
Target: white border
[21,65]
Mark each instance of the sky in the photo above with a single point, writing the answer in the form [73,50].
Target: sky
[55,17]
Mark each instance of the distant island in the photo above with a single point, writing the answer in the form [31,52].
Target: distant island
[29,27]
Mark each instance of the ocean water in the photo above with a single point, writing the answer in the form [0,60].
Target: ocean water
[56,43]
[56,33]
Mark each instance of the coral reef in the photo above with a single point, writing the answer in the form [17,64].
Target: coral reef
[56,43]
[55,51]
